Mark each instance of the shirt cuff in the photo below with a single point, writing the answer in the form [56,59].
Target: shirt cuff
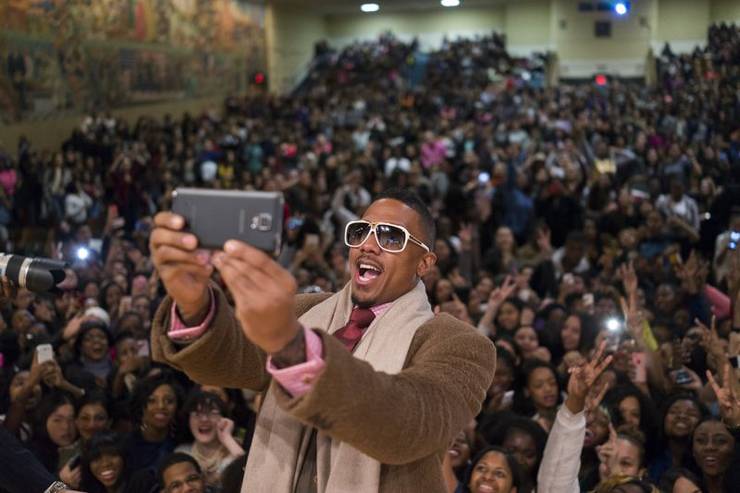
[297,380]
[179,332]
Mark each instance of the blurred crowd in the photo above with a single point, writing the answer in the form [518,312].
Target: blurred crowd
[569,218]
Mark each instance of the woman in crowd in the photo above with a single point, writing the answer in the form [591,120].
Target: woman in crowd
[92,415]
[103,465]
[492,470]
[537,392]
[682,412]
[715,451]
[92,363]
[213,445]
[54,438]
[154,406]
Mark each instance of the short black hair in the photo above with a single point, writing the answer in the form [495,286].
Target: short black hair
[171,460]
[410,198]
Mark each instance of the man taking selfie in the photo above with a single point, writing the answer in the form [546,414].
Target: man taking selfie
[365,388]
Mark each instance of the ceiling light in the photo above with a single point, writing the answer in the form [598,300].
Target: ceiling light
[369,7]
[450,3]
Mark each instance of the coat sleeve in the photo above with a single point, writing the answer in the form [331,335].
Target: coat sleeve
[562,458]
[398,419]
[20,471]
[223,355]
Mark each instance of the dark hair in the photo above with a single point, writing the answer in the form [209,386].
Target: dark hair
[197,401]
[102,301]
[173,459]
[86,327]
[518,304]
[522,404]
[93,397]
[233,474]
[46,450]
[123,335]
[669,478]
[648,415]
[103,443]
[680,396]
[126,315]
[145,388]
[412,199]
[517,479]
[496,427]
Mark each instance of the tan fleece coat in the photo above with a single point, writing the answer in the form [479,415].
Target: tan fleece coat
[405,421]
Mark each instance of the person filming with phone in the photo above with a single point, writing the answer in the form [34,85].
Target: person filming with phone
[364,389]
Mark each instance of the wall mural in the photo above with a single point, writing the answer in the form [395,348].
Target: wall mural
[59,56]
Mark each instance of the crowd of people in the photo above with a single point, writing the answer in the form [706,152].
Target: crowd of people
[589,231]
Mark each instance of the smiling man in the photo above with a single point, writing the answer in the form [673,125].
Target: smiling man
[365,388]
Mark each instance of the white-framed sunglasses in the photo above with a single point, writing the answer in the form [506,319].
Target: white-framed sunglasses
[390,237]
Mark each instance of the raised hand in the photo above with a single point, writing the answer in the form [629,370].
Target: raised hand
[583,377]
[607,454]
[633,318]
[183,269]
[70,476]
[9,290]
[712,343]
[466,236]
[543,240]
[627,273]
[225,429]
[728,396]
[499,294]
[263,294]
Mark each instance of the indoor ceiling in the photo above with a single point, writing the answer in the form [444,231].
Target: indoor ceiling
[353,6]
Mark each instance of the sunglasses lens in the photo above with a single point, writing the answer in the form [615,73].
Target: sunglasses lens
[390,237]
[356,233]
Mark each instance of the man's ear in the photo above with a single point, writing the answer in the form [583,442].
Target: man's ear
[425,264]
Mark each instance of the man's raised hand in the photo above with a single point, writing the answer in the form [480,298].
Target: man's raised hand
[183,269]
[263,294]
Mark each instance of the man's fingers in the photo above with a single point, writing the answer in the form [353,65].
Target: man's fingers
[167,254]
[235,275]
[169,220]
[164,236]
[250,255]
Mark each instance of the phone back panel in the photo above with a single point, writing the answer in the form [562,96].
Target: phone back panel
[215,216]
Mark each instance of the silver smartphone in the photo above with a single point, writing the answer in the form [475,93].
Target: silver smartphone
[215,216]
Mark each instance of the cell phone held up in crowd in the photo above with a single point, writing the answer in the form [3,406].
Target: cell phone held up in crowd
[215,216]
[682,377]
[44,353]
[734,240]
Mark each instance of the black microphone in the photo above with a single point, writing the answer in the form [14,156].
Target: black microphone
[35,274]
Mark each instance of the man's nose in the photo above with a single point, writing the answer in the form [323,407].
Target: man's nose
[371,245]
